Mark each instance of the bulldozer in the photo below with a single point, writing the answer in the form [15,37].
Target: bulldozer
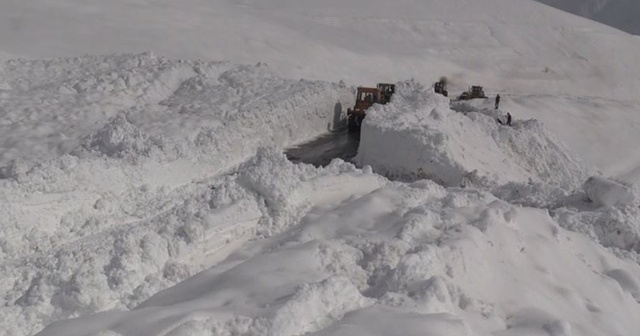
[441,88]
[386,91]
[365,98]
[474,92]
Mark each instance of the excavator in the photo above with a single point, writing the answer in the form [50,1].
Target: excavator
[365,98]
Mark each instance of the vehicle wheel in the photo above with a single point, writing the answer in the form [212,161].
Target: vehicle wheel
[351,123]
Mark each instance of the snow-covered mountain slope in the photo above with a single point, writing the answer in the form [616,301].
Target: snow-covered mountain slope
[621,14]
[515,45]
[125,188]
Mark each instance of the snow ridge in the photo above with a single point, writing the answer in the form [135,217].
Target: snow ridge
[417,135]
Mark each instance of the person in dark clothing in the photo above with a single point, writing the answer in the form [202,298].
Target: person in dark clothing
[497,101]
[508,119]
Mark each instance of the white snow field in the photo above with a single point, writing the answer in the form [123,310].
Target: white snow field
[146,193]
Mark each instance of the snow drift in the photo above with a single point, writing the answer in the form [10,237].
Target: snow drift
[408,259]
[96,260]
[125,105]
[102,167]
[417,135]
[608,193]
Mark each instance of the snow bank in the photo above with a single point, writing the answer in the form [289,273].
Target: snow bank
[401,259]
[111,104]
[97,261]
[417,135]
[128,124]
[609,215]
[102,163]
[608,193]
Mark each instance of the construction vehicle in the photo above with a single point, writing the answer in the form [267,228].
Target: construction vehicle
[474,92]
[441,88]
[386,91]
[365,98]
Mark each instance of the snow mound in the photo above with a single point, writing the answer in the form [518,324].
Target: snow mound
[116,251]
[133,102]
[417,135]
[119,139]
[617,227]
[409,259]
[608,193]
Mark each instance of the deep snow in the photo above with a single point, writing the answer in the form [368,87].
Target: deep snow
[154,191]
[516,45]
[391,259]
[579,77]
[161,219]
[419,135]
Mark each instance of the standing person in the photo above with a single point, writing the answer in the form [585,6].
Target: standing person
[508,119]
[497,101]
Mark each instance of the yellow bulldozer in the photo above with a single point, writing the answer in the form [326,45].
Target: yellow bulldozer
[474,91]
[365,98]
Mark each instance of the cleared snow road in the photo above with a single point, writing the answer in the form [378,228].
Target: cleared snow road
[321,150]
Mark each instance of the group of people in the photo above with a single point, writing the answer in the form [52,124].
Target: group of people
[508,122]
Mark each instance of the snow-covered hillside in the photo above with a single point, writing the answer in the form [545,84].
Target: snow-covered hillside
[145,195]
[571,65]
[621,14]
[507,45]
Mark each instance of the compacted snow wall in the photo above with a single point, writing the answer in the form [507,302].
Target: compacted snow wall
[181,106]
[417,135]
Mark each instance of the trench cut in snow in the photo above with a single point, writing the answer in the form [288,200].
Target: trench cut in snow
[119,214]
[111,187]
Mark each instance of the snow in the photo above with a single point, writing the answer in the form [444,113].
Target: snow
[418,135]
[608,193]
[517,44]
[147,193]
[403,258]
[131,105]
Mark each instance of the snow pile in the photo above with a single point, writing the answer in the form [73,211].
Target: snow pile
[417,135]
[97,261]
[125,105]
[611,227]
[608,193]
[135,123]
[409,259]
[608,213]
